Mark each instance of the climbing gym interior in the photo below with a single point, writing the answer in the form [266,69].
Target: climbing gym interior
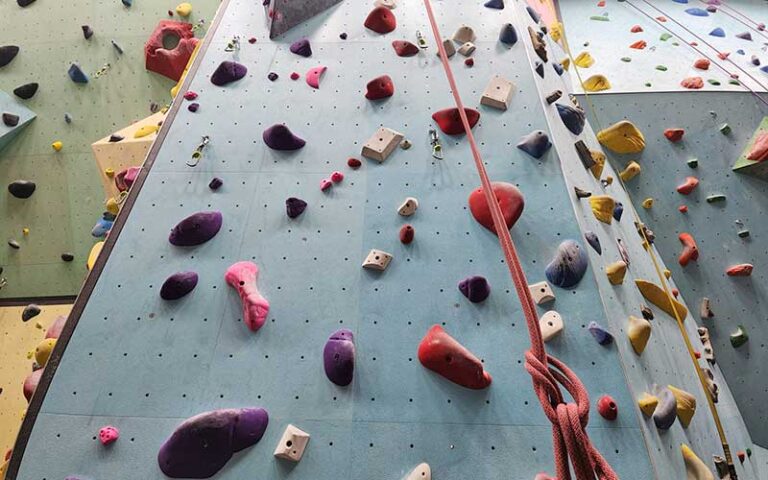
[384,239]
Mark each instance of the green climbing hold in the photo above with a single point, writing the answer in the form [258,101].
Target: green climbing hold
[725,129]
[733,81]
[665,36]
[717,197]
[626,59]
[600,18]
[712,81]
[661,68]
[647,84]
[675,44]
[693,163]
[739,337]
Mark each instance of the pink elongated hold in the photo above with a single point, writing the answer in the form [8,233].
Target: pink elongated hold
[243,276]
[313,76]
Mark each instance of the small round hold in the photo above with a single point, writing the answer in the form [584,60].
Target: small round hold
[326,184]
[57,146]
[683,208]
[272,76]
[469,62]
[406,144]
[215,183]
[190,95]
[170,13]
[343,35]
[407,233]
[252,40]
[67,257]
[354,163]
[607,407]
[193,107]
[295,76]
[337,177]
[108,435]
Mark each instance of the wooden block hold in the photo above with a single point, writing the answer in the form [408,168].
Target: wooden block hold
[541,292]
[498,93]
[450,49]
[377,260]
[467,49]
[381,145]
[292,444]
[550,324]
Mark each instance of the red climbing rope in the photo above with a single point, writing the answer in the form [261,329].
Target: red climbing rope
[570,440]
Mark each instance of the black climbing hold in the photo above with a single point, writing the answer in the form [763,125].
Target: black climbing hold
[108,216]
[594,241]
[127,3]
[215,183]
[497,4]
[558,68]
[647,312]
[114,138]
[508,35]
[272,76]
[343,35]
[193,107]
[10,120]
[7,54]
[25,92]
[25,3]
[67,257]
[87,31]
[295,207]
[554,96]
[14,244]
[22,188]
[539,68]
[30,312]
[67,117]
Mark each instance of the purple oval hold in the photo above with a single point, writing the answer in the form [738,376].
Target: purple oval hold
[228,72]
[280,137]
[196,229]
[339,357]
[475,288]
[178,285]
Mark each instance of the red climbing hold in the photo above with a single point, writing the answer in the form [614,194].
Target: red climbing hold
[381,20]
[674,134]
[607,408]
[449,120]
[295,76]
[723,55]
[690,249]
[701,64]
[407,233]
[470,62]
[170,62]
[740,270]
[510,200]
[404,48]
[380,87]
[759,150]
[742,455]
[337,177]
[688,186]
[354,163]
[675,292]
[683,208]
[639,45]
[662,19]
[694,83]
[636,29]
[442,354]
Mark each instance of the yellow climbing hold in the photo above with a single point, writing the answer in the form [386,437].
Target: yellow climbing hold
[184,9]
[654,294]
[667,273]
[556,31]
[639,331]
[94,254]
[602,207]
[25,231]
[112,206]
[622,137]
[146,130]
[686,405]
[596,83]
[599,158]
[43,351]
[57,145]
[110,172]
[647,203]
[584,60]
[566,63]
[616,272]
[630,171]
[695,469]
[647,404]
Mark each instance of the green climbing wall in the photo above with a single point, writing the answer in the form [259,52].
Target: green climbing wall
[69,196]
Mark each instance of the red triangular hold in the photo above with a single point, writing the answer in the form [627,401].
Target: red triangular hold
[449,120]
[510,199]
[380,87]
[381,20]
[404,48]
[442,354]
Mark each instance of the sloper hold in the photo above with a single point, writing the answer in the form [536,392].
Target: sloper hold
[655,294]
[695,469]
[602,336]
[442,354]
[421,472]
[380,87]
[203,444]
[616,271]
[568,266]
[7,54]
[196,229]
[647,403]
[287,14]
[381,20]
[294,207]
[26,91]
[178,285]
[301,47]
[666,411]
[584,60]
[449,120]
[510,200]
[686,405]
[228,72]
[508,34]
[638,331]
[596,83]
[594,241]
[573,118]
[22,188]
[496,4]
[602,207]
[404,48]
[76,74]
[30,312]
[475,288]
[339,357]
[535,144]
[622,137]
[243,277]
[717,32]
[279,137]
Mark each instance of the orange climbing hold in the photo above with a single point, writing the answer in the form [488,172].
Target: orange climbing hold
[683,208]
[449,120]
[693,83]
[674,134]
[639,45]
[690,249]
[740,270]
[701,64]
[688,186]
[381,20]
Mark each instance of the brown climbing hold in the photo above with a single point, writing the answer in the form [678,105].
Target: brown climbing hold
[688,186]
[740,270]
[674,134]
[701,64]
[407,233]
[380,87]
[639,45]
[690,249]
[705,311]
[381,20]
[449,120]
[538,44]
[694,83]
[404,48]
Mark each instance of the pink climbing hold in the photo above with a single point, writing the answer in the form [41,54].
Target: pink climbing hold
[242,276]
[690,249]
[723,55]
[404,48]
[688,186]
[694,83]
[30,383]
[740,270]
[543,476]
[190,95]
[607,408]
[108,435]
[325,184]
[759,151]
[295,76]
[701,64]
[636,29]
[337,177]
[313,76]
[674,134]
[381,20]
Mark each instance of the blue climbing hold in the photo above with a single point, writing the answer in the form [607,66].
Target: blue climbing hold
[602,335]
[618,209]
[697,12]
[558,68]
[102,227]
[594,242]
[718,32]
[77,74]
[535,144]
[569,265]
[534,14]
[508,35]
[740,51]
[497,4]
[573,118]
[680,1]
[764,69]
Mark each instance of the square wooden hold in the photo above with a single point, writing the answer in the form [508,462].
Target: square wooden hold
[382,144]
[498,93]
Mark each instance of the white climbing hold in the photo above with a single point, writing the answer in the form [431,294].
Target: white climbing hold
[377,260]
[541,292]
[450,49]
[464,34]
[550,324]
[421,472]
[467,49]
[292,444]
[408,207]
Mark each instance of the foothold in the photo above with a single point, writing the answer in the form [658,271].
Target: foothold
[295,76]
[178,285]
[404,48]
[622,137]
[755,60]
[585,154]
[508,34]
[496,4]
[717,32]
[280,137]
[674,134]
[655,294]
[725,129]
[602,207]
[442,354]
[618,211]
[594,241]
[716,197]
[666,410]
[272,76]
[301,47]
[354,163]
[742,455]
[744,36]
[646,311]
[215,183]
[539,47]
[630,171]
[295,207]
[406,234]
[596,83]
[10,120]
[228,72]
[339,357]
[30,312]
[690,249]
[390,4]
[193,107]
[647,203]
[638,331]
[243,277]
[448,46]
[639,45]
[573,118]
[292,444]
[380,87]
[697,12]
[739,337]
[108,435]
[568,265]
[607,408]
[498,93]
[449,120]
[475,288]
[535,144]
[421,472]
[687,187]
[695,469]
[377,260]
[325,184]
[701,64]
[22,188]
[381,145]
[601,335]
[203,444]
[467,49]
[76,74]
[381,20]
[408,207]
[539,68]
[196,229]
[26,91]
[693,83]
[510,200]
[554,96]
[7,54]
[114,138]
[67,257]
[647,403]
[616,271]
[184,9]
[464,34]
[685,405]
[705,310]
[43,351]
[551,325]
[740,270]
[581,193]
[313,75]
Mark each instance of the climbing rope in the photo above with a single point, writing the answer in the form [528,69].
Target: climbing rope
[724,8]
[569,420]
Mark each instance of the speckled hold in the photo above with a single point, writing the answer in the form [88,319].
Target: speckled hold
[228,72]
[568,266]
[475,288]
[178,285]
[295,207]
[279,137]
[108,435]
[339,357]
[196,229]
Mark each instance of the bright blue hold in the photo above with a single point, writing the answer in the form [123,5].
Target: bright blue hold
[618,209]
[718,32]
[601,335]
[573,118]
[102,227]
[569,265]
[508,35]
[764,69]
[594,242]
[77,74]
[697,12]
[497,4]
[558,68]
[535,144]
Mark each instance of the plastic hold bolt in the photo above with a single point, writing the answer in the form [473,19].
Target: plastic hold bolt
[498,93]
[381,145]
[607,407]
[377,260]
[421,472]
[108,435]
[442,354]
[196,229]
[551,324]
[408,207]
[292,444]
[541,292]
[243,277]
[339,357]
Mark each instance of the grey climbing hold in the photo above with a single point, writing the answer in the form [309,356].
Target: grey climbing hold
[118,48]
[585,155]
[14,244]
[30,312]
[76,74]
[573,118]
[535,143]
[725,129]
[7,54]
[22,188]
[568,266]
[594,241]
[666,411]
[581,193]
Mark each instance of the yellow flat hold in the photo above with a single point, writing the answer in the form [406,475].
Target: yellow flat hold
[638,331]
[566,63]
[596,83]
[584,60]
[556,31]
[145,131]
[43,351]
[695,469]
[57,146]
[647,404]
[94,254]
[599,158]
[622,137]
[184,9]
[647,203]
[616,272]
[112,206]
[686,405]
[630,171]
[602,206]
[655,294]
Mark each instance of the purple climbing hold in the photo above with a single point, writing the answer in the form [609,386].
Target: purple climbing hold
[602,335]
[295,207]
[279,137]
[196,229]
[744,36]
[573,118]
[618,210]
[272,76]
[178,285]
[339,357]
[215,183]
[569,265]
[203,444]
[475,288]
[193,107]
[302,47]
[594,242]
[11,120]
[666,411]
[228,72]
[535,143]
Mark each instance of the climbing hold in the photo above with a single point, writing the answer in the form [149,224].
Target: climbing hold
[294,207]
[666,410]
[638,331]
[449,120]
[30,312]
[636,29]
[739,337]
[693,83]
[377,260]
[602,207]
[146,131]
[442,354]
[390,4]
[626,59]
[583,60]
[43,351]
[117,47]
[10,120]
[695,469]
[539,47]
[497,4]
[339,357]
[178,285]
[581,193]
[87,31]
[30,385]
[22,188]
[616,271]
[215,183]
[686,405]
[450,49]
[573,118]
[508,34]
[404,48]
[279,137]
[76,74]
[467,49]
[674,134]
[408,207]
[26,91]
[585,155]
[203,444]
[618,210]
[701,64]
[541,292]
[464,34]
[705,311]
[568,265]
[381,20]
[741,455]
[554,96]
[639,45]
[551,325]
[740,270]
[243,277]
[535,144]
[630,171]
[687,187]
[661,68]
[228,72]
[292,444]
[407,232]
[539,68]
[380,87]
[717,32]
[108,435]
[102,227]
[475,288]
[7,54]
[57,145]
[301,47]
[196,229]
[647,403]
[744,36]
[646,311]
[325,184]
[313,75]
[193,107]
[697,12]
[272,76]
[602,335]
[715,198]
[755,60]
[594,241]
[510,200]
[421,472]
[725,129]
[598,159]
[596,83]
[67,257]
[381,145]
[498,93]
[607,408]
[654,294]
[647,203]
[622,137]
[690,250]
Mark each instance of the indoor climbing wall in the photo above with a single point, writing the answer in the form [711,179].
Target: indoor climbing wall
[69,200]
[144,365]
[652,45]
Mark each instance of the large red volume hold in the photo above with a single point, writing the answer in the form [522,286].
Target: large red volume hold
[381,20]
[380,87]
[170,62]
[442,354]
[449,120]
[510,200]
